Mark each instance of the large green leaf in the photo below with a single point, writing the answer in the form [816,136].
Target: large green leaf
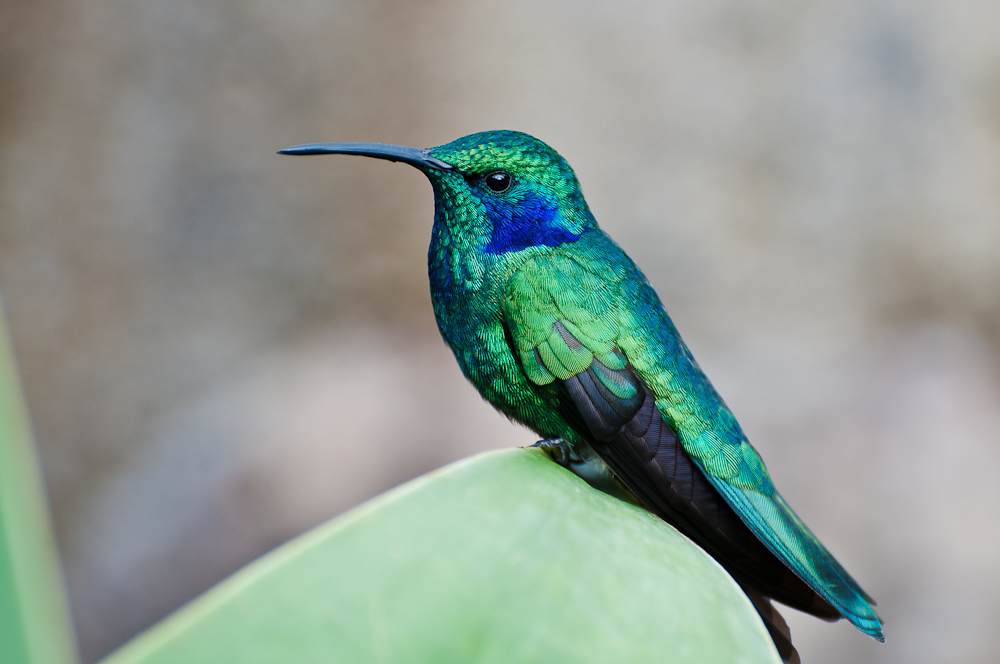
[34,620]
[504,557]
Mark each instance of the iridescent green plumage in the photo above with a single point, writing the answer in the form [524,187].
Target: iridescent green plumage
[556,327]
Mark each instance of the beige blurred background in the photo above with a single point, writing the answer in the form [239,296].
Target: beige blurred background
[223,347]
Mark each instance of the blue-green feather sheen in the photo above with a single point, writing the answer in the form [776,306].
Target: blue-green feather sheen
[591,287]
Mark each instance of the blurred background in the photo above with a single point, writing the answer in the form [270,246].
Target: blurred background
[222,347]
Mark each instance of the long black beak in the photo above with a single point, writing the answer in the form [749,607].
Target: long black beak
[412,156]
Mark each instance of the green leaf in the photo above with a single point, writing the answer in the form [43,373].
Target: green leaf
[504,557]
[34,619]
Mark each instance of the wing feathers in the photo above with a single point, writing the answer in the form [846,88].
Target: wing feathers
[603,411]
[579,340]
[774,522]
[650,460]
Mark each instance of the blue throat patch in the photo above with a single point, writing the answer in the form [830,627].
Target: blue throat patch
[530,222]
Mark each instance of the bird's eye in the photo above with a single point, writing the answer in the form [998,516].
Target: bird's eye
[498,181]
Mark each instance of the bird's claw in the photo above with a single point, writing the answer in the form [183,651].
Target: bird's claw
[558,449]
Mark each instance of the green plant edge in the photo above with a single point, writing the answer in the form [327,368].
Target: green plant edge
[35,626]
[501,557]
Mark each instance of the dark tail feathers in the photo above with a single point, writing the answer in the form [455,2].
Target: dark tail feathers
[776,626]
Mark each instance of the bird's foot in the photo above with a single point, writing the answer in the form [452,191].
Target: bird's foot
[583,462]
[558,449]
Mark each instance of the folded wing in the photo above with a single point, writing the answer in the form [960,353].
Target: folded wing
[567,323]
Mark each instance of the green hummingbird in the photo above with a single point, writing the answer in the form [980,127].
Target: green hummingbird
[559,330]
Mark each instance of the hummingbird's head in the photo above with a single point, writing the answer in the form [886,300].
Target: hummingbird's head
[498,192]
[510,191]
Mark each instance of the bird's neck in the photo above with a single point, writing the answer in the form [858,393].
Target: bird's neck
[465,290]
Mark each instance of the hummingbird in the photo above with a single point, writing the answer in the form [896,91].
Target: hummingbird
[559,330]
